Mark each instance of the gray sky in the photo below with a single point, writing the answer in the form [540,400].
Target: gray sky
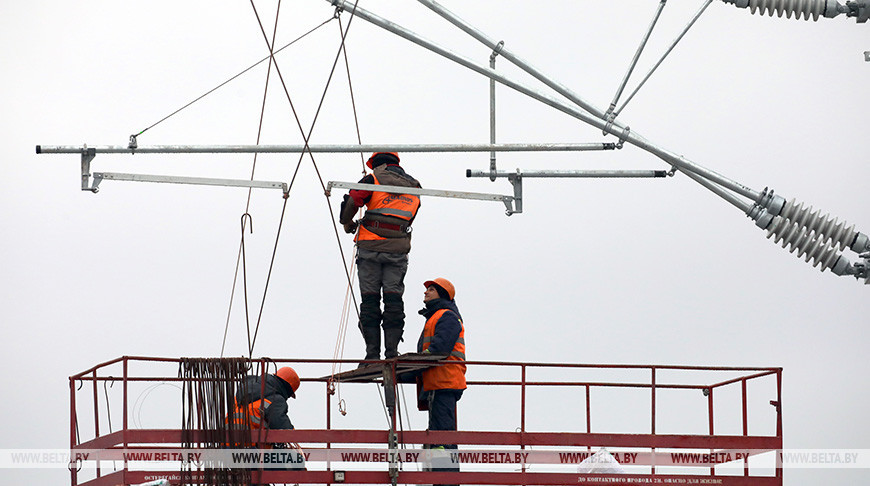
[595,271]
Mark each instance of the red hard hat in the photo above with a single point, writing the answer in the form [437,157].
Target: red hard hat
[289,375]
[444,284]
[369,162]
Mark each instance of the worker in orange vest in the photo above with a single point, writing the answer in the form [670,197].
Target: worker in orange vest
[443,385]
[383,240]
[267,410]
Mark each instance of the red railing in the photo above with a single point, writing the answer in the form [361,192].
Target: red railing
[649,445]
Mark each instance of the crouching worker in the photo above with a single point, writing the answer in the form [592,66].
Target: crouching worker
[442,386]
[268,410]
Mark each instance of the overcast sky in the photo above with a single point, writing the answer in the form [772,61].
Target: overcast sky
[594,271]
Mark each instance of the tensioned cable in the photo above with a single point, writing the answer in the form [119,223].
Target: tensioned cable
[305,150]
[338,353]
[246,218]
[248,202]
[234,77]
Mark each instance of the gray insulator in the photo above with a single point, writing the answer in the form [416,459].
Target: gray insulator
[808,245]
[829,228]
[805,8]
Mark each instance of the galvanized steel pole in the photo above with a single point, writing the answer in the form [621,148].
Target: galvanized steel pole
[295,149]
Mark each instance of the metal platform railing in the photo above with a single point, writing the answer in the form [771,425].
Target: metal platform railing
[647,456]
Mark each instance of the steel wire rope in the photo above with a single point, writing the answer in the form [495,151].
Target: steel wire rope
[108,408]
[338,352]
[252,66]
[245,272]
[140,401]
[109,415]
[248,201]
[307,150]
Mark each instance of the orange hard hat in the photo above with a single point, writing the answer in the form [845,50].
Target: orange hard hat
[289,375]
[444,284]
[369,162]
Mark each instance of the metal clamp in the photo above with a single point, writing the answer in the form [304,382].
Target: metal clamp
[623,137]
[516,180]
[496,51]
[88,155]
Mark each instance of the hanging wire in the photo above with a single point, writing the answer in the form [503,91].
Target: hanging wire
[140,401]
[109,413]
[108,408]
[350,88]
[252,66]
[305,150]
[208,398]
[246,218]
[338,352]
[248,201]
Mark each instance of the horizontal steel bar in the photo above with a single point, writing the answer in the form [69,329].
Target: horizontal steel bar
[569,173]
[417,191]
[604,366]
[329,148]
[116,176]
[523,477]
[369,436]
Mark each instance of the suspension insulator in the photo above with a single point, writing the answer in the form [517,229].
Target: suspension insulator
[808,245]
[830,229]
[805,8]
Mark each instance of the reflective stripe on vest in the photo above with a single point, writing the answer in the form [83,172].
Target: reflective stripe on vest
[402,206]
[447,375]
[427,340]
[251,412]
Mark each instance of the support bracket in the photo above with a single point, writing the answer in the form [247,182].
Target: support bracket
[88,155]
[516,180]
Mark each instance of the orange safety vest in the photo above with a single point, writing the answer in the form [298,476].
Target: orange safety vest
[252,411]
[402,206]
[447,375]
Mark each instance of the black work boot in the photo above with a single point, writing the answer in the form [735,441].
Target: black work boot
[394,323]
[392,336]
[370,325]
[372,337]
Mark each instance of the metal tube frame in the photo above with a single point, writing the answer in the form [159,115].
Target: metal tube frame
[521,438]
[324,148]
[610,110]
[665,55]
[592,116]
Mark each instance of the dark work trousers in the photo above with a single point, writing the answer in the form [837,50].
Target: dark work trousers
[379,270]
[442,416]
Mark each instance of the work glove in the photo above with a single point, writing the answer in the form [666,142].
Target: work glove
[350,228]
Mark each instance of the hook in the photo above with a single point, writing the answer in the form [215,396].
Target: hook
[251,220]
[78,464]
[81,383]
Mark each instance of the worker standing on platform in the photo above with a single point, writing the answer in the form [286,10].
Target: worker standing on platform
[383,240]
[443,385]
